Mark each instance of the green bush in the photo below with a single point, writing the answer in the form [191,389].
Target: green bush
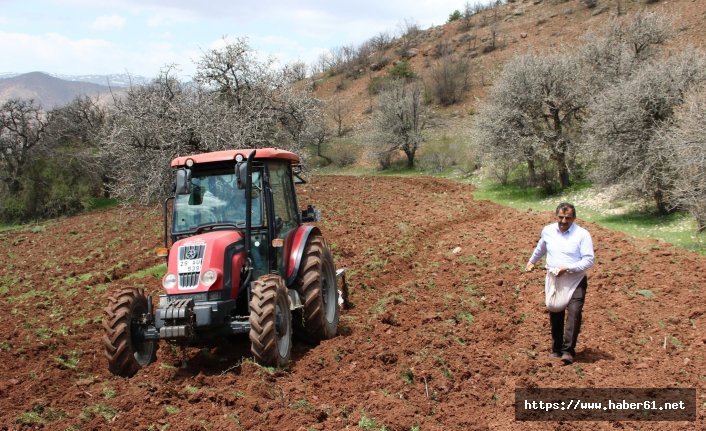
[401,70]
[50,187]
[455,16]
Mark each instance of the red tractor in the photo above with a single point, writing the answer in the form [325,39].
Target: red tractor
[241,261]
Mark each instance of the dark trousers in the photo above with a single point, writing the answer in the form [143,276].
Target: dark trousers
[565,335]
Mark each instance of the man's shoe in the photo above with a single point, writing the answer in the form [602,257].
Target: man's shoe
[555,355]
[567,358]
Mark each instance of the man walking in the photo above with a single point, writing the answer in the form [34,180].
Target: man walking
[569,250]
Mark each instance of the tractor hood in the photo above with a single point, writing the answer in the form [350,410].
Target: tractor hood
[208,262]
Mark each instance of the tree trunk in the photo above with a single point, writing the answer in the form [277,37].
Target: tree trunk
[14,186]
[662,207]
[531,172]
[410,158]
[701,223]
[564,177]
[320,154]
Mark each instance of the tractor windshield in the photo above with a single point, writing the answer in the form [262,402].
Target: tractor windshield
[215,199]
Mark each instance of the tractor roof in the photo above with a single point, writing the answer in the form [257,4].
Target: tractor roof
[229,155]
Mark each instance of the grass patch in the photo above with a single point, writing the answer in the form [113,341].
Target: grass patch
[648,294]
[69,361]
[190,389]
[107,412]
[678,229]
[40,415]
[108,393]
[407,376]
[511,195]
[675,342]
[101,203]
[7,226]
[171,410]
[464,316]
[156,271]
[381,306]
[367,423]
[303,405]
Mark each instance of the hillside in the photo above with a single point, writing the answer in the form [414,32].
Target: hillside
[518,26]
[445,324]
[47,90]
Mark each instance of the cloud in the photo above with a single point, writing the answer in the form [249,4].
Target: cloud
[57,53]
[108,22]
[161,17]
[179,31]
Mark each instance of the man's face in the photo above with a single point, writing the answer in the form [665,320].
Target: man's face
[565,217]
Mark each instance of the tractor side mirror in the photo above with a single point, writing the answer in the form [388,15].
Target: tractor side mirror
[241,174]
[296,174]
[311,213]
[183,182]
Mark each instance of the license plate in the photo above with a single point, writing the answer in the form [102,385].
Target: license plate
[189,265]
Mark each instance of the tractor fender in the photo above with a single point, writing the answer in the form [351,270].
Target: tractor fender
[294,250]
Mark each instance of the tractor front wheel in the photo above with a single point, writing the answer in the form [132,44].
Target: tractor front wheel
[124,324]
[317,288]
[270,322]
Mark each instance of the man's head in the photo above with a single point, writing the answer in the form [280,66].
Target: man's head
[565,214]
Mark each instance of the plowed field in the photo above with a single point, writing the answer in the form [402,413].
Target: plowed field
[445,324]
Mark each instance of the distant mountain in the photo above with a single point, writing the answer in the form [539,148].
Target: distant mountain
[113,80]
[48,90]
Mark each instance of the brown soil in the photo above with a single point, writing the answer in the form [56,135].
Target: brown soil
[437,339]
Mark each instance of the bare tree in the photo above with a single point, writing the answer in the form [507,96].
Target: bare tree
[295,71]
[75,130]
[622,129]
[22,128]
[467,15]
[233,71]
[506,140]
[381,41]
[622,47]
[79,121]
[399,121]
[409,31]
[540,99]
[339,110]
[685,141]
[235,102]
[318,133]
[451,78]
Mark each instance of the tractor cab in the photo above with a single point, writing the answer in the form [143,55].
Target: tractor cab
[214,195]
[241,260]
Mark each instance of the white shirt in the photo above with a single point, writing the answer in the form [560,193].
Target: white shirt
[572,249]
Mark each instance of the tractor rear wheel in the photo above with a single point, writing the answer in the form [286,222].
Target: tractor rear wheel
[316,284]
[270,322]
[126,349]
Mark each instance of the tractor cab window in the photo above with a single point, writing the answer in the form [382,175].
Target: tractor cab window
[283,197]
[215,198]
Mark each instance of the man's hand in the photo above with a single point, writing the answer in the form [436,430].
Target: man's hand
[529,267]
[562,271]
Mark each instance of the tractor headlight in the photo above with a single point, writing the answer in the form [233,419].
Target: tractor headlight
[209,277]
[169,281]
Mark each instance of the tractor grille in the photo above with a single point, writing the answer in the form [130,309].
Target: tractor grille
[189,264]
[189,280]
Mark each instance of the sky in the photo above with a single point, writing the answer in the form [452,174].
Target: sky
[83,37]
